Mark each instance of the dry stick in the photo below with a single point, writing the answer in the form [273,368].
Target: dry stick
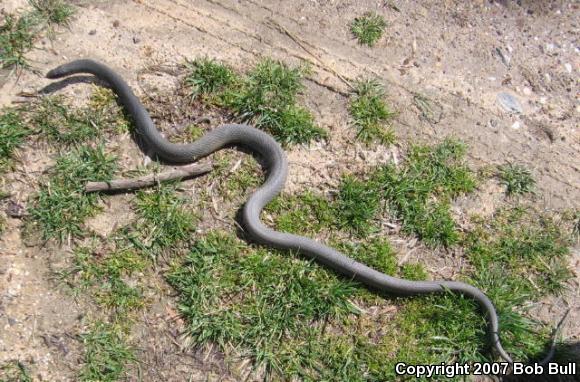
[149,180]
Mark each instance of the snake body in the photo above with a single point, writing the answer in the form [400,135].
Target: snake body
[276,166]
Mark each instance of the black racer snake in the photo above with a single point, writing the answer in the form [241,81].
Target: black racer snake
[276,166]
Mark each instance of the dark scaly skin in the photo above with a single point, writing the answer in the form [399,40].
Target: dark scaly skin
[276,166]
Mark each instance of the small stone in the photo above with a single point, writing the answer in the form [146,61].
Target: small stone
[509,103]
[136,40]
[527,91]
[568,68]
[505,58]
[116,23]
[516,125]
[14,209]
[92,32]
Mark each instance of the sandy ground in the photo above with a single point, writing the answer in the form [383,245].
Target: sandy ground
[445,51]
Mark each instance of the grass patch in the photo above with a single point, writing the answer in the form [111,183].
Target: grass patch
[356,205]
[253,299]
[519,256]
[291,317]
[14,371]
[238,180]
[370,113]
[106,111]
[164,223]
[55,12]
[523,337]
[13,131]
[531,247]
[368,28]
[419,193]
[303,214]
[106,354]
[207,77]
[60,124]
[19,33]
[103,273]
[61,206]
[517,179]
[17,36]
[413,271]
[67,126]
[377,253]
[266,97]
[437,329]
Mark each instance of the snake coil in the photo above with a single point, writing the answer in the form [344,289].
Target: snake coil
[276,166]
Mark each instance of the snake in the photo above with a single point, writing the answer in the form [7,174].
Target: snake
[275,166]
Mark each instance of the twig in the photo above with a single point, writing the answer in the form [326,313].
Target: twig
[150,180]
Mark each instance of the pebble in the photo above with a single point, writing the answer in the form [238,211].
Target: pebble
[14,209]
[136,40]
[509,103]
[516,125]
[92,32]
[568,68]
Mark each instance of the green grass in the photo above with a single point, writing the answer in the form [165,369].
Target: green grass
[253,299]
[530,246]
[303,214]
[107,112]
[413,271]
[294,319]
[370,113]
[14,371]
[377,253]
[112,271]
[56,12]
[368,28]
[419,192]
[517,179]
[267,96]
[17,36]
[277,309]
[106,354]
[519,256]
[438,329]
[165,221]
[18,33]
[523,337]
[13,131]
[207,76]
[102,274]
[236,180]
[270,86]
[61,206]
[357,204]
[67,126]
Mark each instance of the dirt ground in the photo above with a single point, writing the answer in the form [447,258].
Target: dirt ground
[457,55]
